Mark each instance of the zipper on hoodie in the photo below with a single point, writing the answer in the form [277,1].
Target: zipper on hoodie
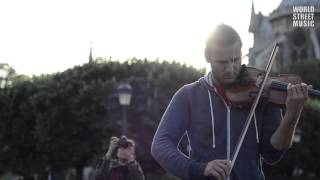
[228,136]
[228,126]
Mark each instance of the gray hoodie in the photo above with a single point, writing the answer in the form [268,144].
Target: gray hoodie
[213,129]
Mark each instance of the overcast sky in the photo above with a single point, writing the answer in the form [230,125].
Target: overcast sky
[41,36]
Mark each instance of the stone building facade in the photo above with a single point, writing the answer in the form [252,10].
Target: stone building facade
[297,43]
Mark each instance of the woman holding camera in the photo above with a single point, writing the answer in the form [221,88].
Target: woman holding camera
[124,167]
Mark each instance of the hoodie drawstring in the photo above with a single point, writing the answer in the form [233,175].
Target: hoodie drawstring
[256,127]
[210,83]
[212,121]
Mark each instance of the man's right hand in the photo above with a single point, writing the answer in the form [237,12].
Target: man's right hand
[113,145]
[218,169]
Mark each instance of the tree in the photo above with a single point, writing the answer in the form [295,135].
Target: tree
[63,120]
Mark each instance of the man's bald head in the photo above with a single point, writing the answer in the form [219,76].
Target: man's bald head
[222,37]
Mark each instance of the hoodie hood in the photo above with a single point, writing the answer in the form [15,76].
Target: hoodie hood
[206,81]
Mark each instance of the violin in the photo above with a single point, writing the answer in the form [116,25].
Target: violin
[245,88]
[253,84]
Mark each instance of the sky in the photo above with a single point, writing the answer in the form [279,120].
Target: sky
[42,36]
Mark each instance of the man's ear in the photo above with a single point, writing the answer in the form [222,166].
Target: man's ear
[237,46]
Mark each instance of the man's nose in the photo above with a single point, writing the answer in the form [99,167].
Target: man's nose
[229,67]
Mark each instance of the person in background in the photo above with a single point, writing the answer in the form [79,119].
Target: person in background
[124,166]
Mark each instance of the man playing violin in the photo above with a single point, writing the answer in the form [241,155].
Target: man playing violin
[203,112]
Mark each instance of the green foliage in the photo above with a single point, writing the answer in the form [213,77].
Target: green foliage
[65,119]
[313,104]
[7,176]
[308,70]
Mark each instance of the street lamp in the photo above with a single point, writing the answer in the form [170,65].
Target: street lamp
[297,136]
[297,139]
[124,94]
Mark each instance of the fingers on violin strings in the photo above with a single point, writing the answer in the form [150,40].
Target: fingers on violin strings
[304,88]
[295,91]
[289,90]
[299,91]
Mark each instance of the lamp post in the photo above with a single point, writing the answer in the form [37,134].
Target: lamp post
[297,139]
[124,94]
[297,136]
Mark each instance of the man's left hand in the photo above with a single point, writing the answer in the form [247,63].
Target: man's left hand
[297,95]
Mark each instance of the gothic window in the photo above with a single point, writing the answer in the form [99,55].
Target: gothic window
[298,38]
[298,42]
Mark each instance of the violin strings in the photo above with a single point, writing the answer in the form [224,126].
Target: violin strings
[283,87]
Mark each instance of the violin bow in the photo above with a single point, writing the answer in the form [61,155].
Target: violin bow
[254,105]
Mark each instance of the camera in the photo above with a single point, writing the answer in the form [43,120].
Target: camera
[124,142]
